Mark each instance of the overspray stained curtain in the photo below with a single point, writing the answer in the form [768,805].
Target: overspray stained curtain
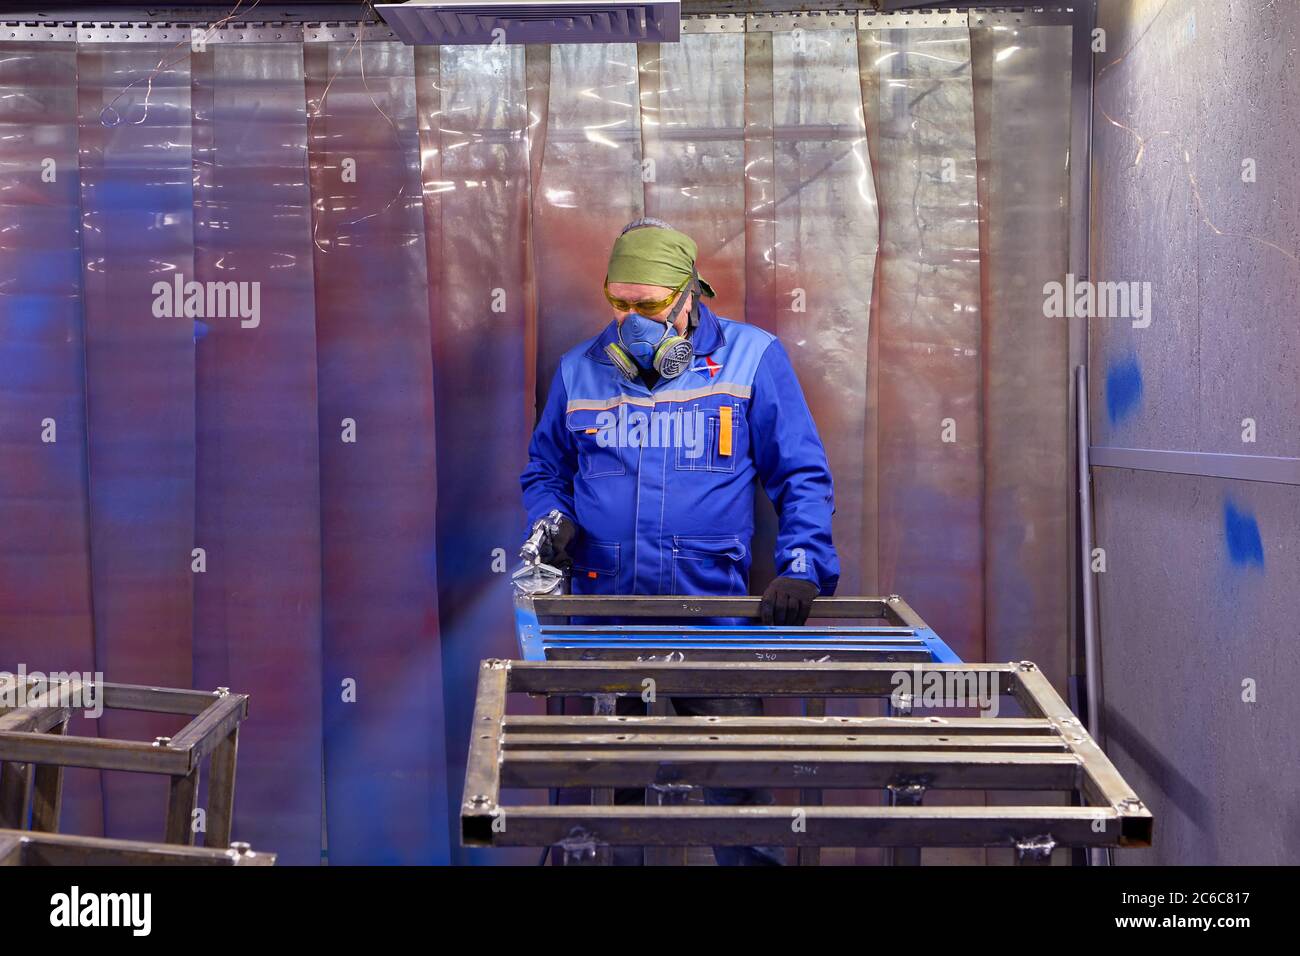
[474,126]
[257,607]
[137,226]
[45,606]
[428,229]
[385,768]
[918,96]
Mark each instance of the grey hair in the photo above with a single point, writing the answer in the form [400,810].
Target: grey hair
[645,221]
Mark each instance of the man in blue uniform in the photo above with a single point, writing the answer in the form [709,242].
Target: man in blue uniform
[652,438]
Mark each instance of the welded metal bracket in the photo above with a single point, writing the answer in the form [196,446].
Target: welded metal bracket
[1036,851]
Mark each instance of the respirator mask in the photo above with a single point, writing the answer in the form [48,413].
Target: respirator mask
[653,343]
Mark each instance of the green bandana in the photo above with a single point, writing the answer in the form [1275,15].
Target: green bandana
[652,255]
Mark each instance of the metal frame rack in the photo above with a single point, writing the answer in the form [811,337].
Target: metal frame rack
[905,755]
[26,848]
[898,635]
[35,747]
[905,636]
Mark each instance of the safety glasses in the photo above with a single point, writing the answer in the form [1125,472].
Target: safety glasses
[644,307]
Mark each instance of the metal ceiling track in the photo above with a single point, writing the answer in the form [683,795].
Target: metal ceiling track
[179,26]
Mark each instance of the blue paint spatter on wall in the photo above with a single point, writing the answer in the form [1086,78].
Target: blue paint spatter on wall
[1241,531]
[1123,388]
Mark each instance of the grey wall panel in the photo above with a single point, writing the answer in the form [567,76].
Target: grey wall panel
[1171,208]
[1249,112]
[1200,590]
[1190,609]
[1144,230]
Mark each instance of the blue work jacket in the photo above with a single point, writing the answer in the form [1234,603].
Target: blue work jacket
[660,481]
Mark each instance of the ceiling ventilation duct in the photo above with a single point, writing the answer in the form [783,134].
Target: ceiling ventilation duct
[532,21]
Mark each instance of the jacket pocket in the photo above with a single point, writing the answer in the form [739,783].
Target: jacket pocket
[595,567]
[598,453]
[719,439]
[708,565]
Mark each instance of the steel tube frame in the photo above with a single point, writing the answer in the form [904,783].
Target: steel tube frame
[903,638]
[27,848]
[906,637]
[893,608]
[727,679]
[1047,750]
[35,748]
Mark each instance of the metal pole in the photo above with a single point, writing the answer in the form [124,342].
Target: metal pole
[1091,659]
[1092,677]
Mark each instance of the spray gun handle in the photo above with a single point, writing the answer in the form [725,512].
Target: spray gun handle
[543,530]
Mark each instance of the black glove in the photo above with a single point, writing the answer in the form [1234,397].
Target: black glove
[556,551]
[787,601]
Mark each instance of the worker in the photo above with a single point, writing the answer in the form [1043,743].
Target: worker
[652,437]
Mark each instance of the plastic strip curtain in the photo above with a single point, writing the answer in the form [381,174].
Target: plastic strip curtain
[826,231]
[473,116]
[384,754]
[257,610]
[1022,99]
[917,94]
[45,611]
[1022,115]
[137,229]
[810,252]
[824,261]
[693,114]
[590,186]
[920,121]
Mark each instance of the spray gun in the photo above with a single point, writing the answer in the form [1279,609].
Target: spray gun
[534,575]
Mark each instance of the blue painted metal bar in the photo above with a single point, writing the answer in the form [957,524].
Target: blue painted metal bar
[540,642]
[624,630]
[942,653]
